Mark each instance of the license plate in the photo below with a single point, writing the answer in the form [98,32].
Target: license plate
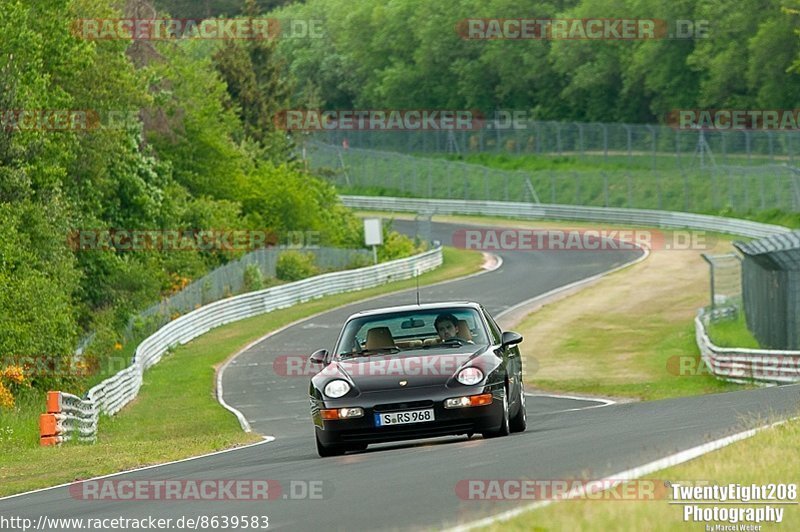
[402,418]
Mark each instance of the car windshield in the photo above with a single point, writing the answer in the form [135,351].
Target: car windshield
[436,329]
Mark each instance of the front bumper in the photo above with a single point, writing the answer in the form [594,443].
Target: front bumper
[448,421]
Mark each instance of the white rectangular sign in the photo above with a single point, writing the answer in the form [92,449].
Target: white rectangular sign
[373,234]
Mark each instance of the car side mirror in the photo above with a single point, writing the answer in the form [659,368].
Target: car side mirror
[511,338]
[319,356]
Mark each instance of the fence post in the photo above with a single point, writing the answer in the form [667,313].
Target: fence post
[630,189]
[653,135]
[747,144]
[605,143]
[658,188]
[537,125]
[769,143]
[430,181]
[630,143]
[558,138]
[711,274]
[685,190]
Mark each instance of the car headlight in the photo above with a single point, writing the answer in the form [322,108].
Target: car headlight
[337,388]
[469,376]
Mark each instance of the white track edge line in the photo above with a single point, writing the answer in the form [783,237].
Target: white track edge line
[573,397]
[267,439]
[630,474]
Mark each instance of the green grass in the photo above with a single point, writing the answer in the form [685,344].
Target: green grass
[658,348]
[760,194]
[732,333]
[769,457]
[176,414]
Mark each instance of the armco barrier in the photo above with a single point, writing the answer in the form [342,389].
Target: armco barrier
[70,417]
[745,365]
[734,364]
[567,212]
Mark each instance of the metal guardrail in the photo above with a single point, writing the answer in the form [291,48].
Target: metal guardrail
[650,218]
[76,418]
[734,364]
[745,365]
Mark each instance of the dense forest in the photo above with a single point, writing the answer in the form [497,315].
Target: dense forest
[197,153]
[407,54]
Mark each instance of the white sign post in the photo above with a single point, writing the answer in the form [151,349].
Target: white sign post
[373,235]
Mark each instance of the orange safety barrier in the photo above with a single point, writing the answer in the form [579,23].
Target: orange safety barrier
[49,428]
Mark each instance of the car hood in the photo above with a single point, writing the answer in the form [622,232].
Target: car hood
[418,368]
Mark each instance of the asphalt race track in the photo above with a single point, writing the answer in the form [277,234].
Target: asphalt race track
[413,485]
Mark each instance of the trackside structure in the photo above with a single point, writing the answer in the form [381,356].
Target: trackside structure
[771,289]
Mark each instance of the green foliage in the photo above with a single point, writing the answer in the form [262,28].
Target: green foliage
[212,8]
[408,54]
[293,265]
[396,246]
[187,157]
[253,76]
[253,279]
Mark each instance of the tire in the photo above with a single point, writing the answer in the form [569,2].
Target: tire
[504,429]
[520,420]
[325,451]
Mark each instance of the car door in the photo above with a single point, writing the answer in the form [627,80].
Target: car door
[512,358]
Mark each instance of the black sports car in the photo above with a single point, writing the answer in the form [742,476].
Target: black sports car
[417,371]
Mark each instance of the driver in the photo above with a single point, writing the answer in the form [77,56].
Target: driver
[447,326]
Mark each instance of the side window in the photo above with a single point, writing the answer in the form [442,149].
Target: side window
[493,328]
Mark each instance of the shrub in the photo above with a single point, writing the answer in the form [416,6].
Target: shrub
[294,265]
[396,246]
[253,280]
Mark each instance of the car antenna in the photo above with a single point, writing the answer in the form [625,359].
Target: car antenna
[417,276]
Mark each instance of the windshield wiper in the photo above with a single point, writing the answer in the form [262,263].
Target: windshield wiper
[454,342]
[370,352]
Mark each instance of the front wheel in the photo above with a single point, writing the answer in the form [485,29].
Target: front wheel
[504,422]
[328,450]
[520,420]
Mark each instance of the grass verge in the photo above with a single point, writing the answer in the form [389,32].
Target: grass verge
[732,333]
[769,457]
[626,335]
[176,414]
